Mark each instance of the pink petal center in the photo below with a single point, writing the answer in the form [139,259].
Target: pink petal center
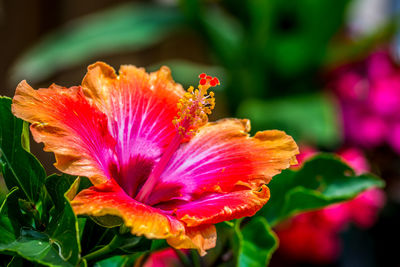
[194,108]
[133,174]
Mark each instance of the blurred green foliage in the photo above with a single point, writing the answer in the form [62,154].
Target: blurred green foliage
[310,118]
[261,50]
[268,54]
[129,27]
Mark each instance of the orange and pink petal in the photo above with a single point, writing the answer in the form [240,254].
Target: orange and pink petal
[70,126]
[222,158]
[113,127]
[215,208]
[202,238]
[110,199]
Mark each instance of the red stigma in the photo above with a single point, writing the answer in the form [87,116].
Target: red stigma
[207,79]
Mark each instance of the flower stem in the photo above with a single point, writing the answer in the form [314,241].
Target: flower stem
[110,247]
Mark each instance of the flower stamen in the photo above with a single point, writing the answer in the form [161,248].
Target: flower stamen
[195,106]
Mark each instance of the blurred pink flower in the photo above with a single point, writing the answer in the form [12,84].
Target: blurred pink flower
[369,93]
[355,158]
[308,238]
[313,236]
[163,258]
[395,137]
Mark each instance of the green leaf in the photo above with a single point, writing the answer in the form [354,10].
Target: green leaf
[129,27]
[256,243]
[10,217]
[30,244]
[116,261]
[133,244]
[25,142]
[158,244]
[311,118]
[62,185]
[100,243]
[21,168]
[121,244]
[3,186]
[323,180]
[17,262]
[38,247]
[119,261]
[63,225]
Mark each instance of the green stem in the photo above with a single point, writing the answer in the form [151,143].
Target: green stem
[110,247]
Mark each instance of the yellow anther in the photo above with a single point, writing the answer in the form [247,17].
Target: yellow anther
[194,107]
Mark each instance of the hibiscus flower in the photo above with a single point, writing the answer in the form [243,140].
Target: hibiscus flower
[153,158]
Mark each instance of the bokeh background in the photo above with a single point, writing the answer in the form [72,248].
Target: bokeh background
[327,72]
